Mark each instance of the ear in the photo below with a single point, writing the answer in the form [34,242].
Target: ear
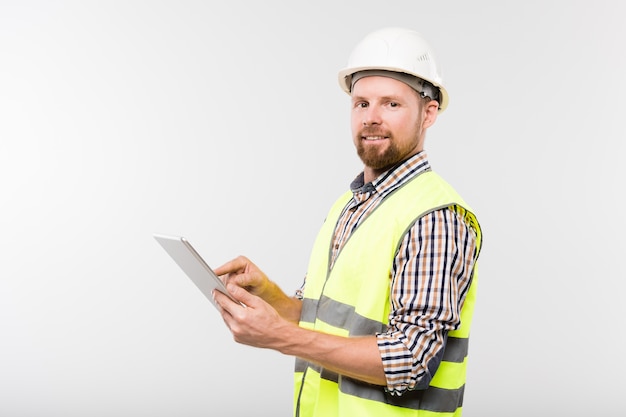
[431,109]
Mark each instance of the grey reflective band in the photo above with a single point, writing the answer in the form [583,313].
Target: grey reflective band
[433,399]
[302,366]
[344,317]
[339,315]
[456,349]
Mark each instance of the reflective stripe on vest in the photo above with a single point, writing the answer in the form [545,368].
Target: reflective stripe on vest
[352,299]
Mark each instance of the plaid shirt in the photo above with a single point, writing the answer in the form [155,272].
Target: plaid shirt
[431,275]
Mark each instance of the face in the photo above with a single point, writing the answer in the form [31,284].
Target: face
[388,121]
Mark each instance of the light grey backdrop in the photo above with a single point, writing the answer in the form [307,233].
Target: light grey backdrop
[224,122]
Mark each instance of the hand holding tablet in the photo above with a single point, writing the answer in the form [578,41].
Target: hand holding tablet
[190,261]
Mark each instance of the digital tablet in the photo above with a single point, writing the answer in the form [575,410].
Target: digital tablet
[190,261]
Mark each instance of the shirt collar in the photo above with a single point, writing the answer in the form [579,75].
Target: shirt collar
[391,179]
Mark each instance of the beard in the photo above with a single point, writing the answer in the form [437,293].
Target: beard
[377,157]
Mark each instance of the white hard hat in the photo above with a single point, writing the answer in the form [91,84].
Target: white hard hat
[398,50]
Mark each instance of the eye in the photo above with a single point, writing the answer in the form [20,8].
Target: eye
[361,105]
[393,104]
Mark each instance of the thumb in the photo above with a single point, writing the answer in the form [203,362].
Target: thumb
[243,296]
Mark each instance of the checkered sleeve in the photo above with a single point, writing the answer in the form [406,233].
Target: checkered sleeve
[432,272]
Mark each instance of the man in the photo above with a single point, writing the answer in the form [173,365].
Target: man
[381,324]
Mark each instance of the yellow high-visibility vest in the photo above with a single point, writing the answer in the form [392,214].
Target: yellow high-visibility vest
[352,299]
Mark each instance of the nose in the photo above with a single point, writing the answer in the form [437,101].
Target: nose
[371,116]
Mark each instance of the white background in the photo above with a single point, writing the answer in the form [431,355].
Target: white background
[224,122]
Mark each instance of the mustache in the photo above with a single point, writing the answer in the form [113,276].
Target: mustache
[367,131]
